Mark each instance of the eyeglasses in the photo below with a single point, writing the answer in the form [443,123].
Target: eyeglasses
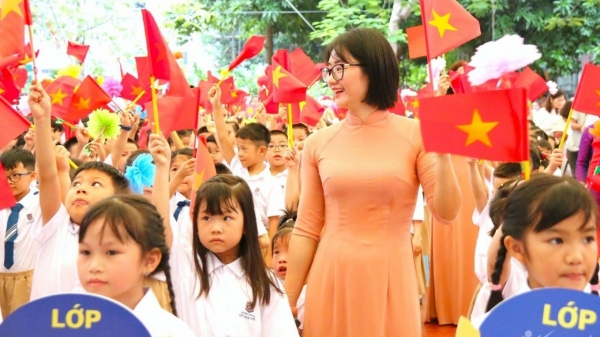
[278,147]
[337,71]
[15,177]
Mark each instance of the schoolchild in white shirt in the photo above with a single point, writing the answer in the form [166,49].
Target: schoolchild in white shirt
[57,232]
[214,150]
[121,242]
[275,151]
[232,293]
[549,233]
[18,251]
[181,180]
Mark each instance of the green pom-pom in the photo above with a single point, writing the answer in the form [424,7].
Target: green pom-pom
[104,123]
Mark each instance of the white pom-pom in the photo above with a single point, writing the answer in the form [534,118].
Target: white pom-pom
[552,87]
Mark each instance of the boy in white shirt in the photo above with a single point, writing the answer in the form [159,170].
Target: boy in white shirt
[18,250]
[275,152]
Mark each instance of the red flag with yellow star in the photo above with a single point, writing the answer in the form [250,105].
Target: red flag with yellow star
[204,169]
[486,125]
[12,27]
[176,113]
[8,88]
[587,96]
[447,26]
[161,62]
[79,51]
[12,123]
[415,38]
[61,93]
[132,88]
[535,84]
[87,98]
[287,88]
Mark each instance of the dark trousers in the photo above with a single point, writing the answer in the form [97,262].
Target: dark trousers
[572,158]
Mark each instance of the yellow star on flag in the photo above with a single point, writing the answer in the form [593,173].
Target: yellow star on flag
[7,6]
[58,97]
[83,104]
[1,91]
[277,75]
[442,23]
[234,94]
[478,130]
[416,104]
[598,92]
[198,180]
[136,90]
[25,60]
[301,105]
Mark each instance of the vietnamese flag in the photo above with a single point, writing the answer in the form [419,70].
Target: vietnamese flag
[303,68]
[8,88]
[61,93]
[399,108]
[7,199]
[87,98]
[12,27]
[253,47]
[587,95]
[161,62]
[310,111]
[415,37]
[12,123]
[447,26]
[535,84]
[238,98]
[488,125]
[79,51]
[20,76]
[132,88]
[27,14]
[204,169]
[286,88]
[176,113]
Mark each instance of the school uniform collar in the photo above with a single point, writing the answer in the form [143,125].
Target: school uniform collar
[146,304]
[29,197]
[180,197]
[213,263]
[371,119]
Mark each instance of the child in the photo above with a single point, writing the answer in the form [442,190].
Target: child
[18,250]
[57,232]
[275,152]
[180,189]
[301,132]
[552,236]
[121,242]
[249,163]
[213,149]
[280,245]
[233,293]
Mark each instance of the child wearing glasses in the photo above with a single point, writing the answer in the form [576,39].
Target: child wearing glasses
[275,151]
[17,253]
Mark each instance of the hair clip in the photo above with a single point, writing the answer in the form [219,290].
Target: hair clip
[495,287]
[594,287]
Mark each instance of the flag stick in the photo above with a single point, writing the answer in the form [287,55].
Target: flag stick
[290,130]
[525,167]
[154,104]
[223,77]
[564,135]
[35,77]
[132,104]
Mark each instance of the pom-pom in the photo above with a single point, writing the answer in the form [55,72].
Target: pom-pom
[141,173]
[178,55]
[99,79]
[437,66]
[104,124]
[112,86]
[552,87]
[71,71]
[406,93]
[494,59]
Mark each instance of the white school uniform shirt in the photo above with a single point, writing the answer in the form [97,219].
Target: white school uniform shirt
[225,311]
[516,279]
[268,197]
[159,322]
[185,226]
[485,224]
[281,178]
[300,306]
[25,247]
[56,263]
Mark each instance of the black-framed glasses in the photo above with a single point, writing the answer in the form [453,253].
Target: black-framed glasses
[278,147]
[337,71]
[15,177]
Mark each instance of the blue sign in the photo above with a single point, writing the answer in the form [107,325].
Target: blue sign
[545,312]
[66,315]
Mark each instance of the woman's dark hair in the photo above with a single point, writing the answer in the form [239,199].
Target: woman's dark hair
[566,109]
[119,182]
[457,64]
[537,205]
[377,59]
[133,217]
[548,103]
[216,196]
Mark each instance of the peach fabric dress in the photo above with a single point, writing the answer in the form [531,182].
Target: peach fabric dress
[359,188]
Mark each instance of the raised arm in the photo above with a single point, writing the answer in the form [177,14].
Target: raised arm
[116,152]
[49,184]
[292,187]
[161,154]
[219,118]
[477,186]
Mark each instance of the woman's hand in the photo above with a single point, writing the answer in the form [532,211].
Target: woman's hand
[417,247]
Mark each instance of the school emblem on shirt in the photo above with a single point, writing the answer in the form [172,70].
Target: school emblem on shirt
[29,219]
[256,191]
[247,314]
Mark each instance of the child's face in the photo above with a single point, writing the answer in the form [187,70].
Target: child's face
[276,149]
[88,187]
[185,187]
[215,152]
[231,133]
[248,153]
[221,234]
[56,135]
[129,148]
[186,141]
[19,180]
[563,256]
[299,136]
[111,268]
[280,251]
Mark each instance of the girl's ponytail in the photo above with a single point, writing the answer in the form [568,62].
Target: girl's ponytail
[496,294]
